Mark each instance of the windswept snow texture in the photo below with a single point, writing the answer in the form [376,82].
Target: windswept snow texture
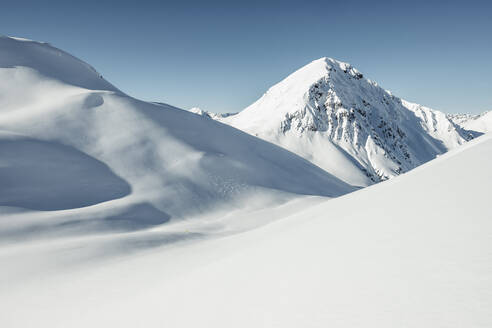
[71,141]
[330,114]
[413,251]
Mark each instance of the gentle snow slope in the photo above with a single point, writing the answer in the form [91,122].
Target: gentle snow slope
[414,251]
[330,114]
[70,139]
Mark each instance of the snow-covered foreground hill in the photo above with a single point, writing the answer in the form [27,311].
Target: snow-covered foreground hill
[78,156]
[414,251]
[330,114]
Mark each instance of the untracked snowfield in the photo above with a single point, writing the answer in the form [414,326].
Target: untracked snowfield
[414,251]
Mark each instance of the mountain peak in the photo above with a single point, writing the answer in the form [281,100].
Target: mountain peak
[328,64]
[301,95]
[330,114]
[316,70]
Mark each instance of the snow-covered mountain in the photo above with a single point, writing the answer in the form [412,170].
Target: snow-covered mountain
[73,145]
[93,182]
[330,114]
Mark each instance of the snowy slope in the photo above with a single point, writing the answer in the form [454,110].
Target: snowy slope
[71,143]
[330,114]
[420,258]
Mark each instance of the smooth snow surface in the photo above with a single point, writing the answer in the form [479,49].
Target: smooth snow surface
[414,251]
[330,114]
[42,175]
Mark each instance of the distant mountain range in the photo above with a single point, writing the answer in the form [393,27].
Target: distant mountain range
[474,124]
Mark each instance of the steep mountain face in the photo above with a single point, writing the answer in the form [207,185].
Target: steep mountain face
[330,114]
[473,124]
[72,143]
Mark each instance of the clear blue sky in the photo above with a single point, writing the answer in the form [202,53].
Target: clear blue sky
[223,55]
